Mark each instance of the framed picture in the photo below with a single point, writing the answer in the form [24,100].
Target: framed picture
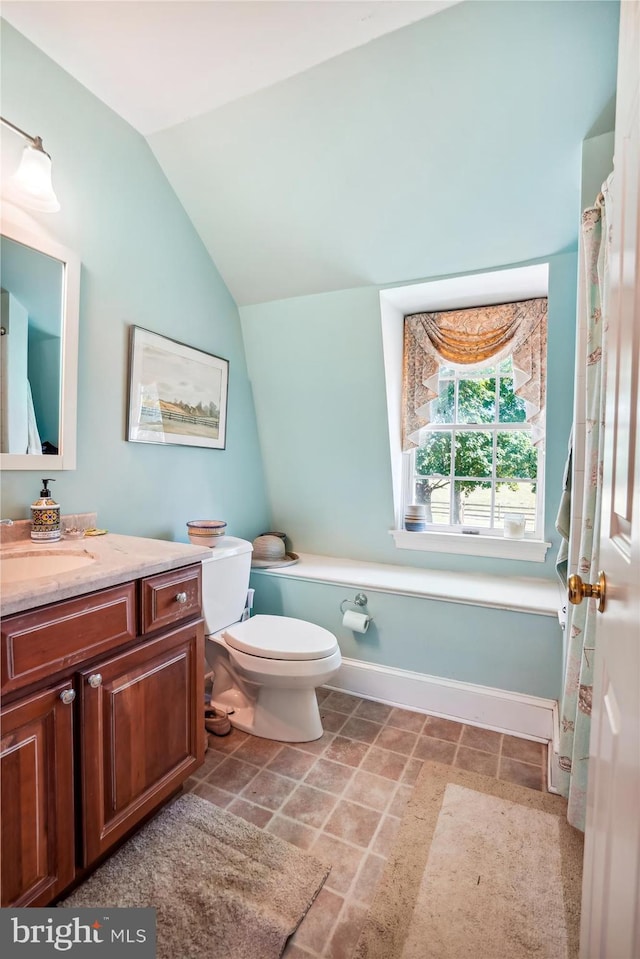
[177,394]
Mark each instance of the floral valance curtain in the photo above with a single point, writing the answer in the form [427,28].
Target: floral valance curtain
[471,338]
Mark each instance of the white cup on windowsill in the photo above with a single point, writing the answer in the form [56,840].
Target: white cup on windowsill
[415,518]
[514,525]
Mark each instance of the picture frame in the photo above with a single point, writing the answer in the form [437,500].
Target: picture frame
[177,394]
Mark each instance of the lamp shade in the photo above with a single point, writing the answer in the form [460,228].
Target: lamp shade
[31,184]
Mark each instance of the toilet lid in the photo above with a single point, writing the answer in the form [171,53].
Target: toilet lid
[281,637]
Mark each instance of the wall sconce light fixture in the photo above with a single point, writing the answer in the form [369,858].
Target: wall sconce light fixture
[31,184]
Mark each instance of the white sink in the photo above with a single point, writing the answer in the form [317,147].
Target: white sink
[34,563]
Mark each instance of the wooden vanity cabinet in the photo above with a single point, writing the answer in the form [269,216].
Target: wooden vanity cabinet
[141,733]
[38,828]
[89,753]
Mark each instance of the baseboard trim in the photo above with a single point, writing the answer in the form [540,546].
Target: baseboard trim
[529,717]
[553,754]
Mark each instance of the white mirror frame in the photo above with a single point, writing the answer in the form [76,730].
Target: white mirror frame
[65,459]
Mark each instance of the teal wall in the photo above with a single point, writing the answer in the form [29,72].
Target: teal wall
[451,146]
[316,367]
[144,265]
[475,164]
[472,644]
[317,372]
[597,164]
[44,379]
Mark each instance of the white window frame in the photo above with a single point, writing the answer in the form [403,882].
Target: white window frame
[410,476]
[482,289]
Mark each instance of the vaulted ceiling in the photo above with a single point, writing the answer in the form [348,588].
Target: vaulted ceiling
[160,62]
[321,145]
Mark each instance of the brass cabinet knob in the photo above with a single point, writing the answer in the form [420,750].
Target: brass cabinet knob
[181,598]
[578,590]
[95,680]
[67,696]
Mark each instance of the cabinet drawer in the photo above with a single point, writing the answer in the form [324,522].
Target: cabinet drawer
[170,598]
[42,642]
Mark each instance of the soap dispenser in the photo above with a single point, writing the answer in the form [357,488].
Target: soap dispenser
[45,516]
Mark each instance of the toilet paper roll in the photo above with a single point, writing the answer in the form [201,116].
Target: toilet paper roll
[358,622]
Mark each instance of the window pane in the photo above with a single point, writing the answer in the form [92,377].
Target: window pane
[516,455]
[434,456]
[474,452]
[442,409]
[506,367]
[511,406]
[516,498]
[472,504]
[480,374]
[477,400]
[435,493]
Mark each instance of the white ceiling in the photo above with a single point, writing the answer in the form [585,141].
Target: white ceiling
[158,64]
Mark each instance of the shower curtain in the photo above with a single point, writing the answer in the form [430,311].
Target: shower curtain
[575,713]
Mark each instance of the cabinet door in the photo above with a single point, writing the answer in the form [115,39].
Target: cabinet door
[141,730]
[38,856]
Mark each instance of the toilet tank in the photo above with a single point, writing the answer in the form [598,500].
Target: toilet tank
[225,581]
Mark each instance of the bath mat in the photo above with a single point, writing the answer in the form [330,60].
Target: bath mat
[478,864]
[222,887]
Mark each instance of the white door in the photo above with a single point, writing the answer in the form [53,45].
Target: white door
[611,888]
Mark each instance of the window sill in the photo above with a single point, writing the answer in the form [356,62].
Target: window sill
[496,547]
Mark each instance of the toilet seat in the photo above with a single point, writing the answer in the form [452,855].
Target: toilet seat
[280,637]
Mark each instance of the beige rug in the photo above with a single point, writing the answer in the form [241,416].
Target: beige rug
[223,888]
[480,867]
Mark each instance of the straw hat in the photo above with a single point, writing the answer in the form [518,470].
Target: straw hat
[270,551]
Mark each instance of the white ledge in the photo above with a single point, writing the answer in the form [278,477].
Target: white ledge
[541,597]
[496,547]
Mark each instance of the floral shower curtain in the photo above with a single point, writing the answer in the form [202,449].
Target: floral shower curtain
[575,715]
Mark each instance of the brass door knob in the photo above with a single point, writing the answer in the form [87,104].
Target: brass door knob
[578,590]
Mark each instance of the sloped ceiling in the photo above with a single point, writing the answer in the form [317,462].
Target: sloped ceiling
[364,168]
[369,168]
[159,62]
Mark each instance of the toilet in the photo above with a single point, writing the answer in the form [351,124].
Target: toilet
[266,668]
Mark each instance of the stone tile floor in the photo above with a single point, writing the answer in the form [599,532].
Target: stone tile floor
[342,797]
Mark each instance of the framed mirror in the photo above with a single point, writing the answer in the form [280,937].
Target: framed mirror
[39,282]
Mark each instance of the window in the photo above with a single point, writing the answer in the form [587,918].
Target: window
[466,394]
[476,460]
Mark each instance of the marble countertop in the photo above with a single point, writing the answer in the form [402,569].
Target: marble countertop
[116,559]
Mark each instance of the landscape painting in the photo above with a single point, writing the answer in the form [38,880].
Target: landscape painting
[177,394]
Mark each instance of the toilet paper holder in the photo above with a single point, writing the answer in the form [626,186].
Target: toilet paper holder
[359,602]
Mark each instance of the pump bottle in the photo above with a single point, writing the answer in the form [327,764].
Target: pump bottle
[45,516]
